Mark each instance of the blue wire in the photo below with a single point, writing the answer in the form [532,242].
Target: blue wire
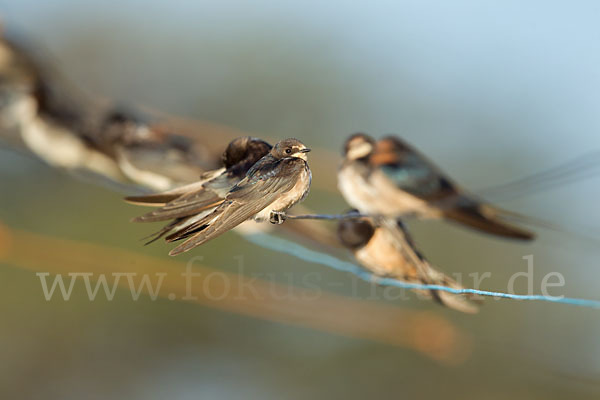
[301,252]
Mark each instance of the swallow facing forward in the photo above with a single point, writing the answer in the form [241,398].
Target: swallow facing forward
[390,178]
[386,249]
[275,183]
[187,204]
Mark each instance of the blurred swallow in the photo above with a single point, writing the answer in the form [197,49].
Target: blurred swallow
[275,183]
[390,178]
[42,113]
[189,203]
[149,153]
[386,249]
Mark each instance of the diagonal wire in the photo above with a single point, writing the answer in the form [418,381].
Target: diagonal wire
[303,253]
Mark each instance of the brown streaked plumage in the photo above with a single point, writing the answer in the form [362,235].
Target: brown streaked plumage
[238,158]
[388,177]
[275,183]
[386,249]
[192,202]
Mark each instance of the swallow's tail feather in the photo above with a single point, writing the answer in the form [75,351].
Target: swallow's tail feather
[466,303]
[226,217]
[153,237]
[178,226]
[487,219]
[181,209]
[162,198]
[151,200]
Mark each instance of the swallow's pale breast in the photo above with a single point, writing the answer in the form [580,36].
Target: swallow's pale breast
[386,249]
[385,258]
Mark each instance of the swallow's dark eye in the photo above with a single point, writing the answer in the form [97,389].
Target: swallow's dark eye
[288,151]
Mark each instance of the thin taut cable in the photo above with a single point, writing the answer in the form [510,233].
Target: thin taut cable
[303,253]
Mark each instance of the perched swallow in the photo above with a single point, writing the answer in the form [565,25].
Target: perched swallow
[187,204]
[42,113]
[390,178]
[386,249]
[149,153]
[275,183]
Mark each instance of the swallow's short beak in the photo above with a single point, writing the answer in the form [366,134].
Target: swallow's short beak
[305,151]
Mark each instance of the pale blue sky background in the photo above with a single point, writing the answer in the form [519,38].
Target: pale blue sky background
[508,86]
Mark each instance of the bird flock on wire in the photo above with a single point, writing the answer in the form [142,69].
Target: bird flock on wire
[383,180]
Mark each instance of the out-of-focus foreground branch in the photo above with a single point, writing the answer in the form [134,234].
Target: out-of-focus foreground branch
[424,332]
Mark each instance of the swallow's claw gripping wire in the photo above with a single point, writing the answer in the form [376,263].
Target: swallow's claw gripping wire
[277,217]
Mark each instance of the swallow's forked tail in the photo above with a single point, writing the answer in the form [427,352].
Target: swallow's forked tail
[162,198]
[488,219]
[224,218]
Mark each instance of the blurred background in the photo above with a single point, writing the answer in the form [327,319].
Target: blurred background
[491,91]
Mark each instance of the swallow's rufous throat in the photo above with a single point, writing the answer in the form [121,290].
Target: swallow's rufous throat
[187,204]
[390,178]
[275,183]
[386,249]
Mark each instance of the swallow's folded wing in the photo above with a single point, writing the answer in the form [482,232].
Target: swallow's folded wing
[406,169]
[418,178]
[252,195]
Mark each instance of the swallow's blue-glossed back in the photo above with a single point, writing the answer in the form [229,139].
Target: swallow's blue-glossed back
[390,178]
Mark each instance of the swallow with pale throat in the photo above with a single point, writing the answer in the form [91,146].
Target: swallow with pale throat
[275,183]
[384,247]
[390,178]
[190,203]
